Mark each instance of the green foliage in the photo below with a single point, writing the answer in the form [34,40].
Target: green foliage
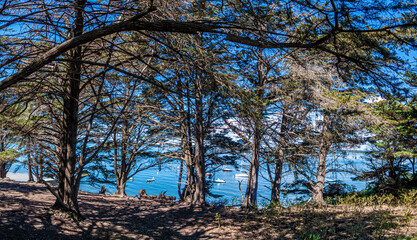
[9,154]
[394,142]
[217,219]
[371,196]
[310,235]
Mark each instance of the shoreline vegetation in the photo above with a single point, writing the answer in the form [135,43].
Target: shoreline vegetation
[25,213]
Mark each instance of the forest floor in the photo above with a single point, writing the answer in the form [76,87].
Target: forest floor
[25,213]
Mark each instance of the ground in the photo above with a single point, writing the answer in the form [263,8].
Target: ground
[25,213]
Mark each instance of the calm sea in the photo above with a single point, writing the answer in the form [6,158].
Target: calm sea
[166,179]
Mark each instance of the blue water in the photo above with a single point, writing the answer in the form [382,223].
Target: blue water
[166,179]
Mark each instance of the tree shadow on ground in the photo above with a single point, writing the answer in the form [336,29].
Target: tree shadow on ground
[322,223]
[112,217]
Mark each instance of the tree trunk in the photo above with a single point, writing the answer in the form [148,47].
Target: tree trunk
[39,167]
[30,162]
[199,194]
[317,194]
[279,160]
[121,187]
[3,170]
[252,187]
[186,194]
[66,180]
[180,178]
[276,185]
[189,189]
[3,163]
[121,175]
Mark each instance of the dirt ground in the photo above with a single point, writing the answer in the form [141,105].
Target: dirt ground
[25,213]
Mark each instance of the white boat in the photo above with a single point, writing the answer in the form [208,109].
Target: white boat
[218,180]
[242,175]
[151,179]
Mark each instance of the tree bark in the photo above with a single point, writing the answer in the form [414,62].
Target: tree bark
[30,162]
[121,187]
[186,194]
[317,195]
[250,200]
[3,171]
[3,163]
[189,189]
[39,167]
[121,172]
[279,160]
[199,194]
[68,156]
[252,187]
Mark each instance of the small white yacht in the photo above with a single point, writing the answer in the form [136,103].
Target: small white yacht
[241,175]
[218,180]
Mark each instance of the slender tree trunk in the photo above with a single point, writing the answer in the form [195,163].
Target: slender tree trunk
[184,139]
[3,163]
[68,157]
[199,194]
[252,187]
[3,171]
[121,177]
[189,189]
[279,160]
[321,169]
[250,200]
[30,162]
[123,170]
[39,167]
[180,178]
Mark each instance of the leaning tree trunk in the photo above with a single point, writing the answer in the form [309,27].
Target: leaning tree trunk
[67,195]
[199,193]
[317,194]
[279,160]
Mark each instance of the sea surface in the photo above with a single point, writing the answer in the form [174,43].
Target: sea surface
[166,179]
